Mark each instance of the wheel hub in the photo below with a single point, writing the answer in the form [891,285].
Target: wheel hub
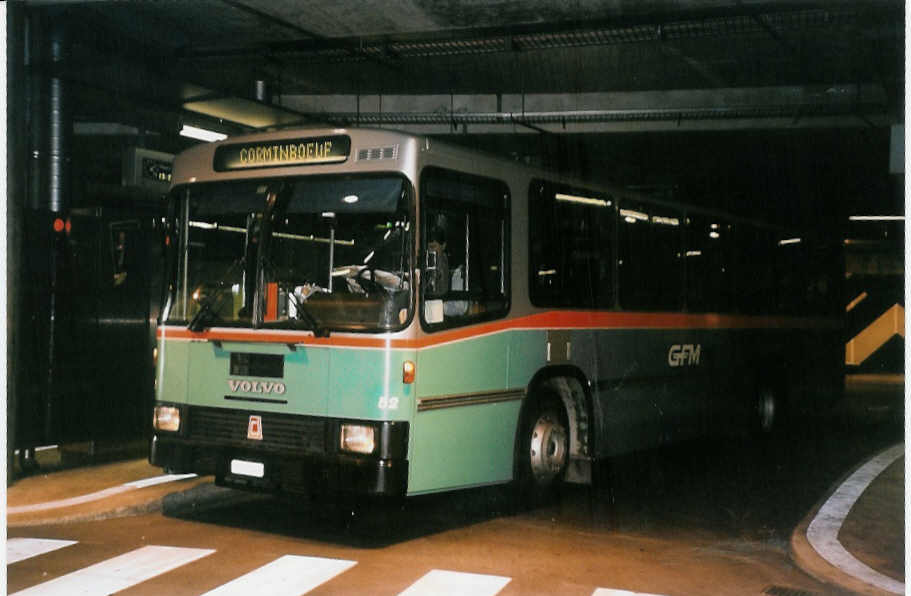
[548,451]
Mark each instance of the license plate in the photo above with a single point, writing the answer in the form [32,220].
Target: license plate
[242,467]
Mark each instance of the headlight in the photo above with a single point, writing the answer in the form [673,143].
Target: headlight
[166,418]
[356,438]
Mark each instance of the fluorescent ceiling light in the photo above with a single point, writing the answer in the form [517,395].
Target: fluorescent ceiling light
[201,134]
[877,218]
[667,221]
[789,241]
[582,200]
[631,216]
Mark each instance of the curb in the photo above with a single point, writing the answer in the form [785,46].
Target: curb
[143,500]
[126,511]
[810,561]
[202,495]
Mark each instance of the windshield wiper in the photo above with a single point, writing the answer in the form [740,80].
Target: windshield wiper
[304,314]
[208,313]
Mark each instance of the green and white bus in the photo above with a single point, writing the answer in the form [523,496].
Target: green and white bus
[378,313]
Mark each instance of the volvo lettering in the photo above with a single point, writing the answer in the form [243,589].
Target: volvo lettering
[256,386]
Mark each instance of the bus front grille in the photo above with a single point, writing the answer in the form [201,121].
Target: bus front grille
[280,432]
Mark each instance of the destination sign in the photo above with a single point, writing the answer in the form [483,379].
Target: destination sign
[280,153]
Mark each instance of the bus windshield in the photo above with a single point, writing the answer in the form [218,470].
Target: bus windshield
[320,253]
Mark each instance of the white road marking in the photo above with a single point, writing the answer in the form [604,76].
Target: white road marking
[20,549]
[613,592]
[95,496]
[822,532]
[156,480]
[118,573]
[289,575]
[98,495]
[453,583]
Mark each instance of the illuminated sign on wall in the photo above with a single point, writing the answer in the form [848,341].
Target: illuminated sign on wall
[289,152]
[144,168]
[158,170]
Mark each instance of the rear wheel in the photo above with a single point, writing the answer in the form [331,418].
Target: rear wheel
[768,411]
[543,452]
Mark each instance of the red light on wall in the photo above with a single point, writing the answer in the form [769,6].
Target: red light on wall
[68,226]
[58,225]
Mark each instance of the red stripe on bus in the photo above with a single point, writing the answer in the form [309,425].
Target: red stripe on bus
[273,337]
[539,321]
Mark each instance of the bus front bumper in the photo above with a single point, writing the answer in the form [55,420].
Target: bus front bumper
[239,466]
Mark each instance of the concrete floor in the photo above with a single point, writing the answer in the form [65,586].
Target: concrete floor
[709,517]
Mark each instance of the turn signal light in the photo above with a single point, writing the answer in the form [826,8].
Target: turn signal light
[408,371]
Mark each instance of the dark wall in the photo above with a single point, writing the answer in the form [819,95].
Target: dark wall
[16,189]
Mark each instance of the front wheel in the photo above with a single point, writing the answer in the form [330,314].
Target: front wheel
[543,452]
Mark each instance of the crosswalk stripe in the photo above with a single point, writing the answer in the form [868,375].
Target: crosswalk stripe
[19,549]
[289,575]
[453,583]
[613,592]
[118,573]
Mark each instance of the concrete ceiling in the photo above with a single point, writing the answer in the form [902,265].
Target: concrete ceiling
[494,72]
[770,59]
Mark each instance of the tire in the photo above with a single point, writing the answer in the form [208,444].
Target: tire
[542,452]
[768,411]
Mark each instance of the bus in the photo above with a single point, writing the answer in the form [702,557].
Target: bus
[363,311]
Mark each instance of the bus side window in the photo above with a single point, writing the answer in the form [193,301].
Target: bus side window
[571,246]
[710,262]
[650,257]
[465,223]
[437,264]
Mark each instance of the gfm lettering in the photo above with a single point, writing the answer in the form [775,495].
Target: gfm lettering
[684,355]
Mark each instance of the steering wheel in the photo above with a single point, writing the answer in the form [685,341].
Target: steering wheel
[368,284]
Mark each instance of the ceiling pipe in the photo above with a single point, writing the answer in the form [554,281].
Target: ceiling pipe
[50,114]
[589,116]
[722,24]
[261,91]
[60,125]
